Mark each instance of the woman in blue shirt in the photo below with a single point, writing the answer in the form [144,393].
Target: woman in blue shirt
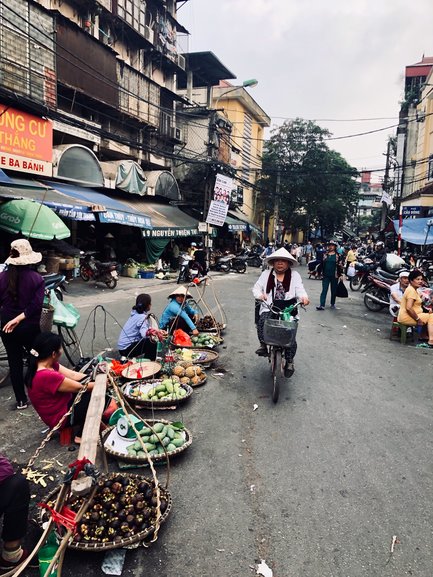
[133,339]
[178,314]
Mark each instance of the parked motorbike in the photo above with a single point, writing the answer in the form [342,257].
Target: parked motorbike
[363,271]
[377,292]
[57,283]
[251,257]
[105,272]
[231,262]
[189,269]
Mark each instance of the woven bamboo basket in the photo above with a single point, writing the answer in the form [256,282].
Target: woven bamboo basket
[97,547]
[148,404]
[47,316]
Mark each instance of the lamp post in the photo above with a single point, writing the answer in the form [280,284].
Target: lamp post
[251,83]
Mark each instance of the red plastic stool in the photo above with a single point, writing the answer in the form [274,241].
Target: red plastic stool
[66,436]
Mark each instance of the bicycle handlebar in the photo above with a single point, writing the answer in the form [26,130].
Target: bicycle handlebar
[279,311]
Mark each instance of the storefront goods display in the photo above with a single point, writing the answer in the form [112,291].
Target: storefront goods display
[123,511]
[161,439]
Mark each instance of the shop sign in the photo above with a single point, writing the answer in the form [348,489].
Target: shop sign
[169,232]
[73,212]
[412,210]
[238,227]
[217,213]
[202,227]
[26,142]
[126,218]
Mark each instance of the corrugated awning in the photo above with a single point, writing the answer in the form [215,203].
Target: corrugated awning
[167,221]
[110,210]
[243,217]
[62,204]
[235,225]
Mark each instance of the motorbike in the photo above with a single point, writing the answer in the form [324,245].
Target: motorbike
[189,269]
[231,262]
[363,271]
[105,272]
[57,283]
[251,257]
[377,292]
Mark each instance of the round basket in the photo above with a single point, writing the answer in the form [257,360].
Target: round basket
[148,404]
[156,458]
[47,316]
[95,546]
[141,370]
[195,346]
[204,357]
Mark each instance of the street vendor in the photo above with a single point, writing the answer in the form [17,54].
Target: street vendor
[178,314]
[53,388]
[14,507]
[138,337]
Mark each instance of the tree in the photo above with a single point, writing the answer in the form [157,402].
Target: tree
[317,186]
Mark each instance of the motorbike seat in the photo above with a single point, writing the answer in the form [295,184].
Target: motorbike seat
[104,264]
[53,278]
[386,275]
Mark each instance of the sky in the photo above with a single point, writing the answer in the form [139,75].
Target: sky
[323,60]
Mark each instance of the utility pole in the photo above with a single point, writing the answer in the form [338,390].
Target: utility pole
[277,204]
[385,187]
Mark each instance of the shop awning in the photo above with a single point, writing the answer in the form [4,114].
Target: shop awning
[167,221]
[62,204]
[243,217]
[235,225]
[110,210]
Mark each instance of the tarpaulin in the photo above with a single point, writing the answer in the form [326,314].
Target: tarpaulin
[416,230]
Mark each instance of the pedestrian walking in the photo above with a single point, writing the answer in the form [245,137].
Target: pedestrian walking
[308,251]
[21,300]
[332,270]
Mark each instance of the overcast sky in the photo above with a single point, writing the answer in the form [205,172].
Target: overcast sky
[319,59]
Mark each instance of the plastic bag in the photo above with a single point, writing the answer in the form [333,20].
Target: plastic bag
[181,338]
[65,314]
[351,272]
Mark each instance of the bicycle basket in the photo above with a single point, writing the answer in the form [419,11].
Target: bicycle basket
[280,333]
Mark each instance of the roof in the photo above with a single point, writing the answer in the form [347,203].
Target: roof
[421,68]
[206,68]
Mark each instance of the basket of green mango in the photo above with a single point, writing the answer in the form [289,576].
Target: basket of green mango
[162,439]
[206,341]
[166,392]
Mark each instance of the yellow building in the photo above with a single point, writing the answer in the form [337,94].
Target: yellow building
[248,121]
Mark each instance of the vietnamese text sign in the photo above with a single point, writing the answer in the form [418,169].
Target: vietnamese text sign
[25,139]
[411,210]
[118,217]
[217,213]
[170,232]
[222,189]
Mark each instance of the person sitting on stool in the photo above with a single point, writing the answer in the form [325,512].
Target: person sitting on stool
[178,314]
[134,339]
[397,291]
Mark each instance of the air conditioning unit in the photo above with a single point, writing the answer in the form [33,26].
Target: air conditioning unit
[176,133]
[181,61]
[149,34]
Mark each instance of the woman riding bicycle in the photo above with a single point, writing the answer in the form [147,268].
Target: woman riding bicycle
[279,286]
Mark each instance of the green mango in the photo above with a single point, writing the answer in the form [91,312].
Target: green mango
[171,447]
[178,442]
[157,427]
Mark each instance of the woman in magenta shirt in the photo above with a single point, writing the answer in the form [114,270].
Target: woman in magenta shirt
[52,388]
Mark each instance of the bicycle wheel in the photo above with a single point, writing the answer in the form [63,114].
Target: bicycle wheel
[70,344]
[275,370]
[4,365]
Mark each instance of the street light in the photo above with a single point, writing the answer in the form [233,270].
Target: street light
[251,83]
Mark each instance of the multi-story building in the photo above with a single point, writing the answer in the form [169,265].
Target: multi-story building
[102,74]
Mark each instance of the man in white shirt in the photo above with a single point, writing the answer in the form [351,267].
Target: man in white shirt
[397,291]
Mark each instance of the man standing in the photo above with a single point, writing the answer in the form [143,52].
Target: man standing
[308,251]
[397,291]
[332,270]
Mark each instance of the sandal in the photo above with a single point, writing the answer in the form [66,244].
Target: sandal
[424,346]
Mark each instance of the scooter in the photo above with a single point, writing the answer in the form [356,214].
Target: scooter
[105,272]
[55,282]
[377,293]
[229,263]
[363,272]
[189,269]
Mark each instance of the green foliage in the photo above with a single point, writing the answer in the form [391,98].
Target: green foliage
[316,184]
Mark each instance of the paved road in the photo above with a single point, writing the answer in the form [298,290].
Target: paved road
[316,485]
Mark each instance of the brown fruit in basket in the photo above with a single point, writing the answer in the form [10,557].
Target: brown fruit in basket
[175,378]
[190,372]
[196,380]
[178,371]
[184,380]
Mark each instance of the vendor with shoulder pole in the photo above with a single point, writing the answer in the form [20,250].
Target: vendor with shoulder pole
[178,314]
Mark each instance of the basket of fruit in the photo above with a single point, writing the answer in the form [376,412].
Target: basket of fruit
[206,341]
[196,356]
[162,439]
[122,512]
[209,325]
[166,392]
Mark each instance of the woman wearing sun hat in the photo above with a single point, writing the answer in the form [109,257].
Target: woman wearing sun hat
[21,300]
[280,283]
[178,314]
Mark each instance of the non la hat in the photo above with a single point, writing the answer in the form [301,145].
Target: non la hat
[180,291]
[282,254]
[26,254]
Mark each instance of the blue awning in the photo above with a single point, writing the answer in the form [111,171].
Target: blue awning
[416,230]
[62,204]
[110,210]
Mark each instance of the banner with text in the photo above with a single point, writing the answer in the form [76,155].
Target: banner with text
[217,213]
[223,188]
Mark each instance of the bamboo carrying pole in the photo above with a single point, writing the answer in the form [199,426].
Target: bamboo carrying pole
[89,442]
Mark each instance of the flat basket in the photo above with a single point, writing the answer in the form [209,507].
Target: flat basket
[95,546]
[280,333]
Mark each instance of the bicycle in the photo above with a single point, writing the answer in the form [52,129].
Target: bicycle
[279,334]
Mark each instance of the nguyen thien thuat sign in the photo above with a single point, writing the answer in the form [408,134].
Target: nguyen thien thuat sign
[26,142]
[170,232]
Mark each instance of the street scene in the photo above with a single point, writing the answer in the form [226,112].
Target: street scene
[216,288]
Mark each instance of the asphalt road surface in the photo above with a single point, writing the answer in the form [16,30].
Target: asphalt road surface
[316,485]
